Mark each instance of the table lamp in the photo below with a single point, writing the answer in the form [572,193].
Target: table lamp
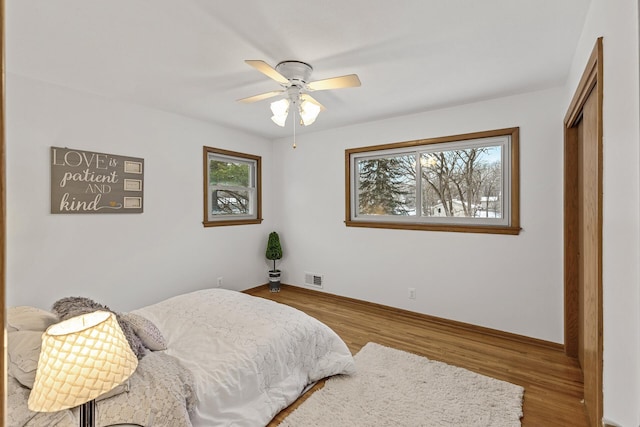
[81,358]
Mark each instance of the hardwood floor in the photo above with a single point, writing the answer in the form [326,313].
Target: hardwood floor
[552,381]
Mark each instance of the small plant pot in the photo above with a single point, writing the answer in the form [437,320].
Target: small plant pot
[274,280]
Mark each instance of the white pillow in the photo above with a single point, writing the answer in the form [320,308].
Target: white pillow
[148,333]
[24,350]
[25,318]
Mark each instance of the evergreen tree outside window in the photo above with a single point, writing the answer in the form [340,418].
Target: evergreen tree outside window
[466,183]
[384,188]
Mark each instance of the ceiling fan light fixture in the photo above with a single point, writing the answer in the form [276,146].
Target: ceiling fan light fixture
[309,112]
[294,78]
[280,110]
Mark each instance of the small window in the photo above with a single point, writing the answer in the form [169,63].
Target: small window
[465,183]
[231,188]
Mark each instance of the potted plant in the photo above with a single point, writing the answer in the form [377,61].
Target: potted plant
[274,252]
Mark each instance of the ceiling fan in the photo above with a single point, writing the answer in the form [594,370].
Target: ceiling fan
[294,76]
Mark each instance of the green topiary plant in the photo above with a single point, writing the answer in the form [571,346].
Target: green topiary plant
[274,250]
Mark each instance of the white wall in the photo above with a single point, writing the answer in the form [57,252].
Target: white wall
[617,22]
[122,260]
[510,283]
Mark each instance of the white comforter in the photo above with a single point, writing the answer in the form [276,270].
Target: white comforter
[250,357]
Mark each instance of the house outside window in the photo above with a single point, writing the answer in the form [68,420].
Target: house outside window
[467,183]
[232,188]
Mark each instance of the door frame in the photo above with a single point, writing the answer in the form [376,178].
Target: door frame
[3,229]
[592,79]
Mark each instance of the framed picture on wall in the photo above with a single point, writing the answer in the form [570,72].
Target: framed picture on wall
[86,182]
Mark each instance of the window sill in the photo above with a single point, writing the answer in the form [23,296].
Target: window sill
[485,229]
[231,222]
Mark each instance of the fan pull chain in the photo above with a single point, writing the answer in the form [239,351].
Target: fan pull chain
[294,126]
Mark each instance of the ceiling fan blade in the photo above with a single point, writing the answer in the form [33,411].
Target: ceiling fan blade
[267,70]
[307,97]
[260,97]
[350,80]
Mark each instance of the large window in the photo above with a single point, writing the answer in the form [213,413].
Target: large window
[463,183]
[231,188]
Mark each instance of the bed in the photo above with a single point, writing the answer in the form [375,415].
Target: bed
[229,359]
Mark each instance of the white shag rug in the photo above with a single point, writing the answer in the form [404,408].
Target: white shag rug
[395,388]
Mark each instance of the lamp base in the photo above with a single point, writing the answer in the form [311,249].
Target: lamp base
[88,414]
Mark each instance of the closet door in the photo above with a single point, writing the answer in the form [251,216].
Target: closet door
[583,233]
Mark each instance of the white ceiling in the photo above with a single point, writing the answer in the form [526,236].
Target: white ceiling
[187,56]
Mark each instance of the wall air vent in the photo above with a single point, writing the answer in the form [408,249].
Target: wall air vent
[313,279]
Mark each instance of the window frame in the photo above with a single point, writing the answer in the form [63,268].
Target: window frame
[225,220]
[511,211]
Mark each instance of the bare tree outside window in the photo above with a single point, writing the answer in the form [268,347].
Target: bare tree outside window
[457,182]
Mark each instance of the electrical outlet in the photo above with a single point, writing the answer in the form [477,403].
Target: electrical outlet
[412,293]
[219,283]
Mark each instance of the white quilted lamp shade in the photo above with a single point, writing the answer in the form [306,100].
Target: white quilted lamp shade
[81,358]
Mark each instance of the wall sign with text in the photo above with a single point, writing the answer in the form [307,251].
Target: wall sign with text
[88,182]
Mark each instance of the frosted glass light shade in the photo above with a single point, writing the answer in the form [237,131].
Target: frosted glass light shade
[309,112]
[279,120]
[81,358]
[280,110]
